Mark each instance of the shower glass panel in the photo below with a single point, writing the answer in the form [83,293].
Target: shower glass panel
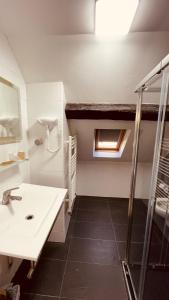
[157,269]
[146,267]
[147,137]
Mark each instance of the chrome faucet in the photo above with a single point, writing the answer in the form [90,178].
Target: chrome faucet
[7,197]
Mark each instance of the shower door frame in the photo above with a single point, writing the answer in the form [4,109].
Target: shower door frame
[157,150]
[144,85]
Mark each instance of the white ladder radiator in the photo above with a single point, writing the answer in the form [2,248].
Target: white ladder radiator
[72,161]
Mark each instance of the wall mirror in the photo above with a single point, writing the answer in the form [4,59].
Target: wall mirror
[10,116]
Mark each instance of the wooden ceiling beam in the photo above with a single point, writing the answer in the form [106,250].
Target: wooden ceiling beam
[97,111]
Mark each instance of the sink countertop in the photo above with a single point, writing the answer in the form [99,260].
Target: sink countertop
[26,245]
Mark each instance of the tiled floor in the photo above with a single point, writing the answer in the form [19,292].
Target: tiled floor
[87,266]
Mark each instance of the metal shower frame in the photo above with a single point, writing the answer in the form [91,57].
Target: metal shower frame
[145,86]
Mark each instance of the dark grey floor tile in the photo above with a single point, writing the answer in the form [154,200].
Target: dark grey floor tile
[93,282]
[118,203]
[156,285]
[156,235]
[63,298]
[136,251]
[93,251]
[93,203]
[135,271]
[47,278]
[119,216]
[37,297]
[55,250]
[140,205]
[93,230]
[121,249]
[138,232]
[159,253]
[101,216]
[139,218]
[156,255]
[121,232]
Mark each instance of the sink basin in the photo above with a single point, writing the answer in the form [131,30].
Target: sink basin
[34,202]
[4,217]
[25,224]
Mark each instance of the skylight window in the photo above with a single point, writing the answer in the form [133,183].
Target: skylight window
[108,139]
[107,145]
[110,143]
[114,17]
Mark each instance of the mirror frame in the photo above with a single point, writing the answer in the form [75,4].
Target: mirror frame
[11,140]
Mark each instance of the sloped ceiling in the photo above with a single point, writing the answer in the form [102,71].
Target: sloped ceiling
[151,15]
[47,16]
[61,17]
[84,130]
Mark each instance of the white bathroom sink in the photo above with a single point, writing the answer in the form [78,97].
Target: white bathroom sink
[4,218]
[25,224]
[26,216]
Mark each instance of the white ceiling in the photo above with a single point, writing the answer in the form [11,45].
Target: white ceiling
[72,16]
[92,69]
[151,15]
[47,16]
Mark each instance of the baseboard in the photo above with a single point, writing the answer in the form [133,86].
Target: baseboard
[101,197]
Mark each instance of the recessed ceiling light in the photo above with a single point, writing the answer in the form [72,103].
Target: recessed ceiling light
[114,17]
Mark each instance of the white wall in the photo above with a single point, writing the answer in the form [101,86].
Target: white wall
[51,169]
[47,100]
[10,71]
[93,69]
[85,132]
[110,179]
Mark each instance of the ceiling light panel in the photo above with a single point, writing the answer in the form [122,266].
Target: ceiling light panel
[114,17]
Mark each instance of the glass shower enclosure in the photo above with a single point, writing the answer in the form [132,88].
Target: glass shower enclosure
[146,264]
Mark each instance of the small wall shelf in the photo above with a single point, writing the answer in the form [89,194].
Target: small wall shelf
[17,162]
